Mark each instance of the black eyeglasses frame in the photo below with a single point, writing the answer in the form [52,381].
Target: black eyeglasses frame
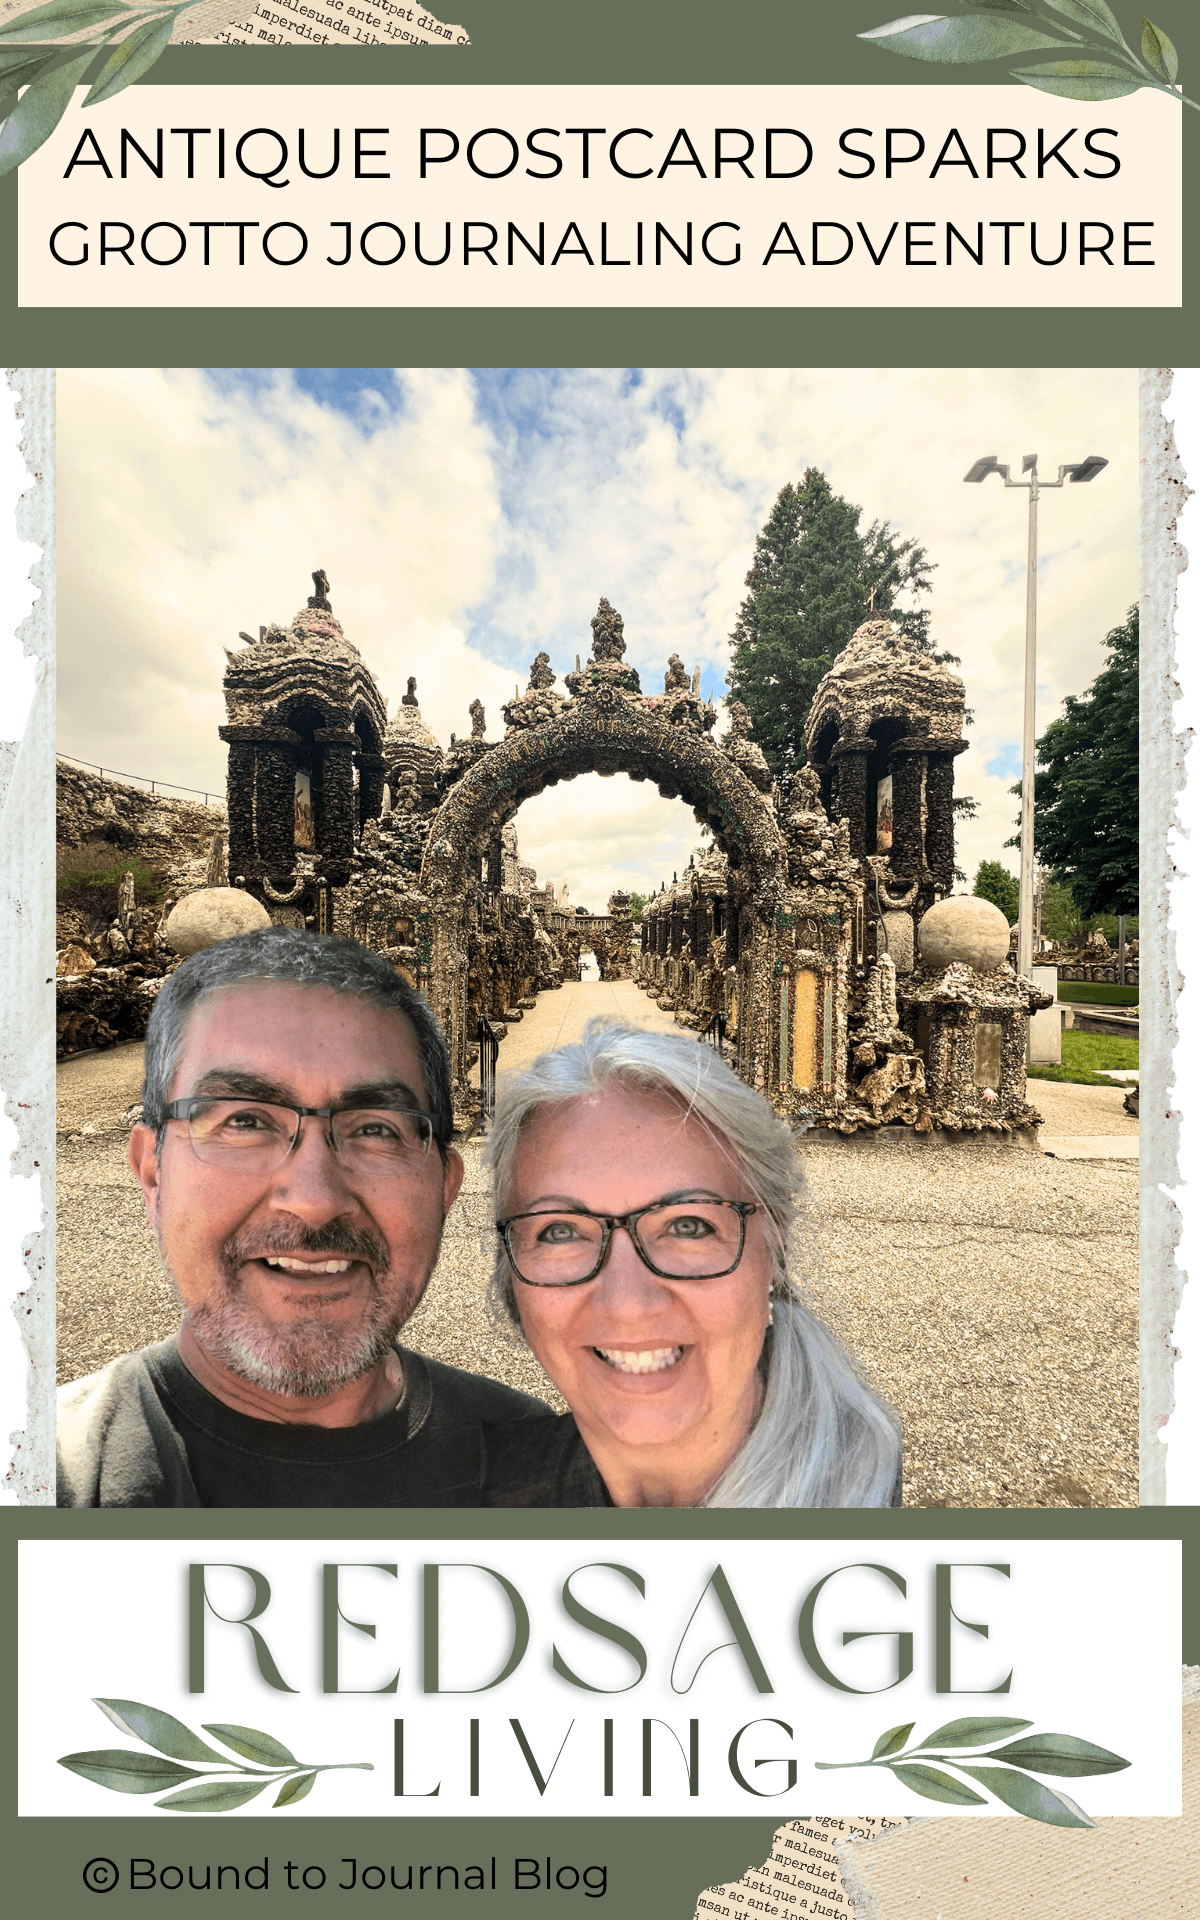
[610,1222]
[183,1110]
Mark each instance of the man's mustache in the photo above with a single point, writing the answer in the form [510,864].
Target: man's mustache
[336,1239]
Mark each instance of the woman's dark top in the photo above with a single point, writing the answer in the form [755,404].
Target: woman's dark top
[544,1463]
[551,1468]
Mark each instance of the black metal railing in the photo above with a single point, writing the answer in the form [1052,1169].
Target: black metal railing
[489,1047]
[143,779]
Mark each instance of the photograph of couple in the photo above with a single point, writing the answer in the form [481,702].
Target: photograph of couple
[773,1176]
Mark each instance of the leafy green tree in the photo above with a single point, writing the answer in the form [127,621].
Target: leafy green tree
[636,902]
[809,587]
[995,883]
[1060,916]
[1085,827]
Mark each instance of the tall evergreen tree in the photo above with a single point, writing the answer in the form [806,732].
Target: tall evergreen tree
[809,587]
[1085,789]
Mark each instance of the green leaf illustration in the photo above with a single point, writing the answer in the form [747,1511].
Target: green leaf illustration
[257,1746]
[294,1789]
[39,110]
[1005,6]
[933,1784]
[1096,15]
[975,1731]
[1060,1753]
[959,40]
[159,1730]
[132,58]
[18,69]
[61,17]
[127,1772]
[892,1740]
[1158,52]
[1027,1796]
[1079,79]
[214,1796]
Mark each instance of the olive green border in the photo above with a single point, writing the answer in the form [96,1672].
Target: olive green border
[552,42]
[657,1867]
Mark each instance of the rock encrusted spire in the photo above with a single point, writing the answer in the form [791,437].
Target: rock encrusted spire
[745,752]
[608,633]
[412,754]
[538,703]
[319,597]
[605,671]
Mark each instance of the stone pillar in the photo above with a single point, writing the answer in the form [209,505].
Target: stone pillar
[701,927]
[908,840]
[239,799]
[371,770]
[732,931]
[335,826]
[275,809]
[939,825]
[851,760]
[1014,1050]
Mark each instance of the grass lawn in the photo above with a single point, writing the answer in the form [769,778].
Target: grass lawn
[1098,993]
[1083,1054]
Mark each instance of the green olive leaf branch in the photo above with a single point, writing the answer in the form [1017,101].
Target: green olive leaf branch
[134,37]
[126,1770]
[1081,29]
[1063,1754]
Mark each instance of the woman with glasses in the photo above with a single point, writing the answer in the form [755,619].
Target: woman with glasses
[645,1201]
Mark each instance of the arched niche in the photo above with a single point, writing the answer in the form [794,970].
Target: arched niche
[604,733]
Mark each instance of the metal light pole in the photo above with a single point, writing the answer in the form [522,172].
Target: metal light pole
[1083,470]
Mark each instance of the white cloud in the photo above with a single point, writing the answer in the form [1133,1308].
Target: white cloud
[483,522]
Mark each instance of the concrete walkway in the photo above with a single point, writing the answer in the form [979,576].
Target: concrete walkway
[562,1015]
[1084,1123]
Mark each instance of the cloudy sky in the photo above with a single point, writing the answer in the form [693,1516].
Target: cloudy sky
[468,519]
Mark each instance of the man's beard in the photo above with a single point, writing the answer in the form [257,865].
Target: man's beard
[308,1357]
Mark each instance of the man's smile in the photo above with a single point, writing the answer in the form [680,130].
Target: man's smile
[287,1263]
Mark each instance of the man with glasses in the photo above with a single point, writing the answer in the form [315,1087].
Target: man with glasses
[296,1161]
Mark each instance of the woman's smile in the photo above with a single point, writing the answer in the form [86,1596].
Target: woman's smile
[661,1370]
[649,1360]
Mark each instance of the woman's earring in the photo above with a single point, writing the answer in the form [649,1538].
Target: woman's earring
[770,1309]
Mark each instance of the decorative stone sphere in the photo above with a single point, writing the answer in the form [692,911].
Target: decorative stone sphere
[212,914]
[968,930]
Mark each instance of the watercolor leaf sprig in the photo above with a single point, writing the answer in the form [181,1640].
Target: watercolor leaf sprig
[1101,63]
[134,36]
[128,1770]
[1062,1754]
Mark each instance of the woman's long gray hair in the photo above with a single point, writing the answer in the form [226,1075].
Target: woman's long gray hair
[822,1438]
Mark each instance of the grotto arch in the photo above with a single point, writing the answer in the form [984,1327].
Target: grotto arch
[605,729]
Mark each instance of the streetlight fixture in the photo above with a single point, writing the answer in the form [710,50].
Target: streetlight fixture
[1081,471]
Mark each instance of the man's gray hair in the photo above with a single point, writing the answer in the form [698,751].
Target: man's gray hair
[822,1438]
[295,957]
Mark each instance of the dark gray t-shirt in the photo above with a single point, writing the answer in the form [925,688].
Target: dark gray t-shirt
[145,1433]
